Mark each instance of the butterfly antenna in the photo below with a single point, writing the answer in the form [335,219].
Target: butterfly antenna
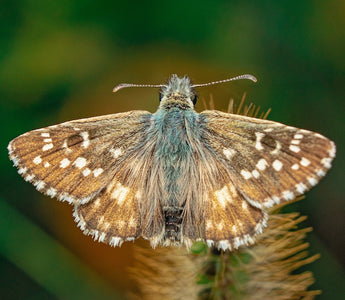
[244,76]
[126,85]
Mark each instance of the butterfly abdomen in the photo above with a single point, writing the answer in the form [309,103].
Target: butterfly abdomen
[173,220]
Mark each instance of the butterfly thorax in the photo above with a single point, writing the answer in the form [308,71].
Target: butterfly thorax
[177,101]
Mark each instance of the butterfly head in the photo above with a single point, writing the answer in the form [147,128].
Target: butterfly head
[178,90]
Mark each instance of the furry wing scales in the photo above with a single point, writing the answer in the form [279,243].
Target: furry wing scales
[113,217]
[75,160]
[230,221]
[268,162]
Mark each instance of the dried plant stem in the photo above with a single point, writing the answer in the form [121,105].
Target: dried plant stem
[266,270]
[165,273]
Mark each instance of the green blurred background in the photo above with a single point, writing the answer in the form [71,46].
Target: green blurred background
[59,60]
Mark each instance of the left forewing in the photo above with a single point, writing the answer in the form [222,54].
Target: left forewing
[74,161]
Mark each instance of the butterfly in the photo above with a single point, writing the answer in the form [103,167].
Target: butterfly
[174,176]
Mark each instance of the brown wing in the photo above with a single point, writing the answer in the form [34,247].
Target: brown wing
[74,161]
[113,217]
[268,162]
[230,221]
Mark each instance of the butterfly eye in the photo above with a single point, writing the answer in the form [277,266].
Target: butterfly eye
[194,98]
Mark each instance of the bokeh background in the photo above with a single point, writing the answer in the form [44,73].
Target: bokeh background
[59,60]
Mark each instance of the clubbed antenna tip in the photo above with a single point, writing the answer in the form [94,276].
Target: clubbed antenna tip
[125,85]
[244,76]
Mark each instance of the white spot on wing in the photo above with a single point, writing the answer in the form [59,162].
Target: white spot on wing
[85,136]
[298,136]
[97,202]
[288,195]
[295,167]
[86,172]
[312,181]
[132,223]
[229,153]
[326,162]
[37,160]
[46,164]
[39,185]
[301,187]
[320,173]
[64,163]
[64,145]
[51,192]
[295,148]
[116,152]
[277,165]
[208,225]
[259,136]
[220,226]
[246,174]
[223,196]
[29,177]
[268,202]
[22,170]
[80,162]
[305,162]
[262,164]
[256,174]
[120,193]
[97,172]
[47,147]
[45,134]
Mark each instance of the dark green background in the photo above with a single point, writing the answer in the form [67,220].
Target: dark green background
[59,60]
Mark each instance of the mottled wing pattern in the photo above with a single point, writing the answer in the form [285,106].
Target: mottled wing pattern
[74,161]
[130,205]
[268,162]
[230,221]
[113,217]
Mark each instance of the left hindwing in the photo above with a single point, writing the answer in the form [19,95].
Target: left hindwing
[268,162]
